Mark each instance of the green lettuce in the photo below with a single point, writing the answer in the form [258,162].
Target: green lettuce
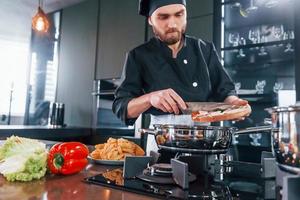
[23,159]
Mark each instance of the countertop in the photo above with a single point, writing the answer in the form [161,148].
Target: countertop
[72,187]
[87,135]
[46,132]
[62,187]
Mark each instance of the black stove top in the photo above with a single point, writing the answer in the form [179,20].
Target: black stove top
[230,180]
[201,188]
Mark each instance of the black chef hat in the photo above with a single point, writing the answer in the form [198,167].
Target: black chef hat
[147,7]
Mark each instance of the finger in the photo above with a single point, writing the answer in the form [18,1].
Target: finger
[235,102]
[172,104]
[178,99]
[243,102]
[165,105]
[240,102]
[161,107]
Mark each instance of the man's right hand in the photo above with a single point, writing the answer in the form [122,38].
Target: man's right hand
[167,100]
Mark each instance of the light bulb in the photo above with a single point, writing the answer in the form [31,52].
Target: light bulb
[40,25]
[40,21]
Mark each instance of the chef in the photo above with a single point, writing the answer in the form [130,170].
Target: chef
[170,69]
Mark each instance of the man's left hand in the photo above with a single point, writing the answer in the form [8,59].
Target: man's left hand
[234,100]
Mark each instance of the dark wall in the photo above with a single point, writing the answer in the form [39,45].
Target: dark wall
[120,29]
[77,62]
[200,19]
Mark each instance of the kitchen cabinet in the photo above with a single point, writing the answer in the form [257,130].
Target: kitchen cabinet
[120,30]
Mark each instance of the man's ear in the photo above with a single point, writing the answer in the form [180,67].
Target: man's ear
[149,21]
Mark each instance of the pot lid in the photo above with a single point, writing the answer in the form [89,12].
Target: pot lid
[186,127]
[295,107]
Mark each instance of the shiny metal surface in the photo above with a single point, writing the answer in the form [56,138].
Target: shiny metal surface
[192,139]
[57,114]
[197,139]
[286,137]
[197,151]
[204,106]
[106,162]
[72,187]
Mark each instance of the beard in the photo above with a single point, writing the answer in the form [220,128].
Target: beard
[171,36]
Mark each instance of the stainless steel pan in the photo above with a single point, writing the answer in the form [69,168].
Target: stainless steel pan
[197,139]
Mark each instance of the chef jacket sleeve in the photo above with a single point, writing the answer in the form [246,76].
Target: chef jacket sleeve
[130,87]
[221,84]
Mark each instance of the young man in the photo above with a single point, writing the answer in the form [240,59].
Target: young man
[170,69]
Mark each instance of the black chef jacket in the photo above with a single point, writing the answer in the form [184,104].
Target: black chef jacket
[196,74]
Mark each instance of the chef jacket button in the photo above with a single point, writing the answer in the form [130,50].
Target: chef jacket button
[195,84]
[185,61]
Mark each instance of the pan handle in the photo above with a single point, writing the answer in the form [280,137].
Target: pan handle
[145,130]
[253,129]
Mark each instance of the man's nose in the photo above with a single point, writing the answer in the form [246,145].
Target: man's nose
[172,23]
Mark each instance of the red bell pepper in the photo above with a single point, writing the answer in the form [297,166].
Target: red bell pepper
[67,158]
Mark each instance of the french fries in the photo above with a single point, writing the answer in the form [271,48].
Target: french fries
[115,175]
[116,149]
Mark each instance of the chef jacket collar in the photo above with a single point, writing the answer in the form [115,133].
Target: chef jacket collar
[165,46]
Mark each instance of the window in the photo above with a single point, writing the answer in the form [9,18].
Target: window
[28,64]
[13,75]
[43,73]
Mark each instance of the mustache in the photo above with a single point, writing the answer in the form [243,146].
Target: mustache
[172,30]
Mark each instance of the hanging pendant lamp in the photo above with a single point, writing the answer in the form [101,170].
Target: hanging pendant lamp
[40,21]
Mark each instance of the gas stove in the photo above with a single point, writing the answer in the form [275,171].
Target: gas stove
[193,177]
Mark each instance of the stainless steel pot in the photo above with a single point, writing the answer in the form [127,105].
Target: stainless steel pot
[196,139]
[286,137]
